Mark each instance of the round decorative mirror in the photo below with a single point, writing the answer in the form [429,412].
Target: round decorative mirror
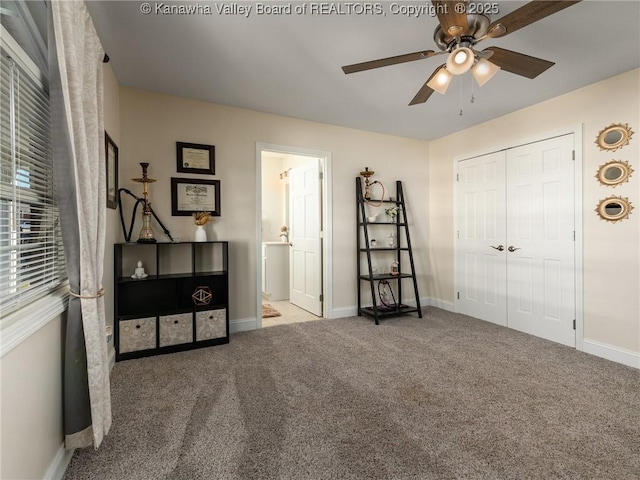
[614,136]
[613,209]
[614,173]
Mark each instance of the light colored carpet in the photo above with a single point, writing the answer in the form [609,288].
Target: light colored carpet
[442,397]
[269,311]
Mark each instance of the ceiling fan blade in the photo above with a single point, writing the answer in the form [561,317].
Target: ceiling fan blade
[425,92]
[452,16]
[385,62]
[518,63]
[526,15]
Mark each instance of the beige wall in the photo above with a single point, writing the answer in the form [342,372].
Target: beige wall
[611,251]
[152,123]
[31,395]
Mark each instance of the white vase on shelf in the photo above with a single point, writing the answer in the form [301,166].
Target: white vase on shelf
[201,234]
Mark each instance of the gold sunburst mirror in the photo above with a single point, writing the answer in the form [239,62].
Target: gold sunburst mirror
[614,209]
[614,173]
[614,136]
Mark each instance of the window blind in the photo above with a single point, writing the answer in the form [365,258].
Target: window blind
[31,251]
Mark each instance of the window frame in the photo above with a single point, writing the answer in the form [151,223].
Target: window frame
[23,320]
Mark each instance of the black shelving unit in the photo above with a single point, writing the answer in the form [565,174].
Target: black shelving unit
[403,257]
[162,313]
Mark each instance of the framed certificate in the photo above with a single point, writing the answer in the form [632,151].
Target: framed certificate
[111,154]
[190,195]
[196,158]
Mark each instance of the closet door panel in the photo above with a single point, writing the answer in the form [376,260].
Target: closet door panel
[480,263]
[540,239]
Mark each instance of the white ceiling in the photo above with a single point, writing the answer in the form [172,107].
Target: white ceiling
[290,64]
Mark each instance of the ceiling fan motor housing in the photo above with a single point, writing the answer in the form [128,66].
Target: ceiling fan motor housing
[478,27]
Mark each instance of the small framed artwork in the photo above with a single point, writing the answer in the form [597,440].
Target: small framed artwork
[111,153]
[190,195]
[196,158]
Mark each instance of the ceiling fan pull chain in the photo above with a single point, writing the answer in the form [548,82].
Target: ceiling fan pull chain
[460,99]
[473,98]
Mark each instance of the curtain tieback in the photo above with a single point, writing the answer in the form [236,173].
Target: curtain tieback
[97,295]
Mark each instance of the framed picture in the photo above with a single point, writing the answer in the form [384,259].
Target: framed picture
[196,158]
[189,195]
[111,153]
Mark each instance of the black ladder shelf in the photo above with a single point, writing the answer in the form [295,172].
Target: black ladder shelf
[402,249]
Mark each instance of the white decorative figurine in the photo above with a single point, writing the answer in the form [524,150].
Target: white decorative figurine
[139,272]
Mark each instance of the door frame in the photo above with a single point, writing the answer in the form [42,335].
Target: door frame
[577,131]
[327,223]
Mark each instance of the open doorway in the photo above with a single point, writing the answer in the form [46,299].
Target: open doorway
[293,235]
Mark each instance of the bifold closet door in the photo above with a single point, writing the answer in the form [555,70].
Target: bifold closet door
[480,245]
[515,244]
[540,239]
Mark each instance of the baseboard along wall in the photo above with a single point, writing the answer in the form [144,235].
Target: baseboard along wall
[615,354]
[59,464]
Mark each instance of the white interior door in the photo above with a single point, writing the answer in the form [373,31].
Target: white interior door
[540,239]
[305,261]
[515,252]
[481,258]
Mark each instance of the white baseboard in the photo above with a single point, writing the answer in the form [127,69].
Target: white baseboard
[615,354]
[242,325]
[342,312]
[436,302]
[59,464]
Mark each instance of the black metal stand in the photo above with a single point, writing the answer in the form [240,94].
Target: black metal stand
[402,248]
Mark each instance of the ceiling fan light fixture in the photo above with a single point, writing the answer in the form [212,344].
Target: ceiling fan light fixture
[460,61]
[440,81]
[483,71]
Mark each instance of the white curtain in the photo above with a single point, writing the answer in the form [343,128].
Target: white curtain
[76,92]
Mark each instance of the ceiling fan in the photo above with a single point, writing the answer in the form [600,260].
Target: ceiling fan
[457,34]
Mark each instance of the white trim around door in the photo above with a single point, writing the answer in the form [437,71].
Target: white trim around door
[327,224]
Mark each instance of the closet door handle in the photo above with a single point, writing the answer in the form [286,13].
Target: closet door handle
[512,248]
[499,247]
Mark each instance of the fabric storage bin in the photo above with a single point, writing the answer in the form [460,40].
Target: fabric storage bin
[176,329]
[211,324]
[137,334]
